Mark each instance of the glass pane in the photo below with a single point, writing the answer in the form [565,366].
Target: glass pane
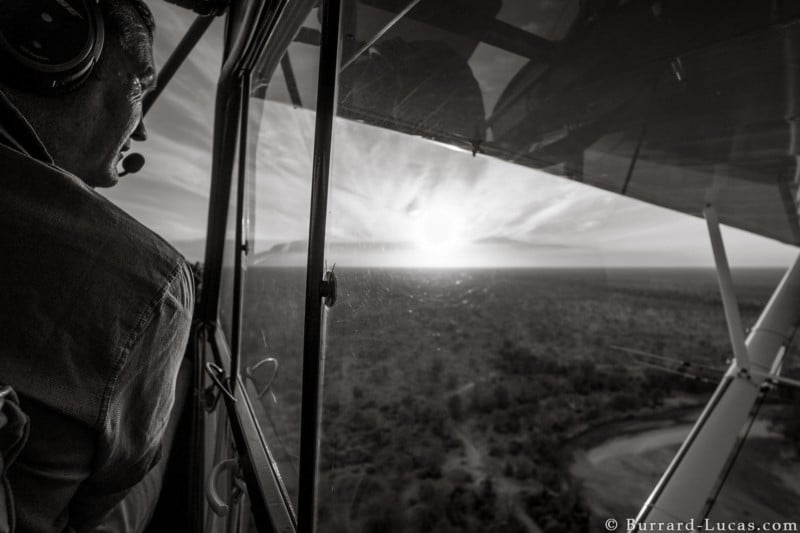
[509,351]
[281,139]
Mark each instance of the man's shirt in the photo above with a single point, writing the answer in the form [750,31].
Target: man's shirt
[95,312]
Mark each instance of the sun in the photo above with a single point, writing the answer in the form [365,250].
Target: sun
[439,229]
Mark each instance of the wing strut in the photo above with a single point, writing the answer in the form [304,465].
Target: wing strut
[683,492]
[729,303]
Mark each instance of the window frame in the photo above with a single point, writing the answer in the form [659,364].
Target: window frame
[270,502]
[261,32]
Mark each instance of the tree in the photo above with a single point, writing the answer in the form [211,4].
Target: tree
[501,395]
[455,406]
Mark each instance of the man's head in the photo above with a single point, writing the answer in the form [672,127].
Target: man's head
[87,129]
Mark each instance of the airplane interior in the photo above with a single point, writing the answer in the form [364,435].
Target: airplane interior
[481,265]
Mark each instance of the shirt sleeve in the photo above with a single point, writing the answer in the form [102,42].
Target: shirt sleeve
[140,403]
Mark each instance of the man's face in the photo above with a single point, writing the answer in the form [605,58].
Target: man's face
[111,102]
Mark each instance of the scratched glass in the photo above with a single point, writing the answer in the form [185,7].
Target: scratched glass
[494,360]
[279,155]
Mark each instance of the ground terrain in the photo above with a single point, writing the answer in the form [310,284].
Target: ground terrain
[485,401]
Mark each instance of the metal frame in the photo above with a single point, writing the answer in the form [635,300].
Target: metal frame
[268,497]
[291,81]
[255,19]
[246,34]
[240,244]
[312,357]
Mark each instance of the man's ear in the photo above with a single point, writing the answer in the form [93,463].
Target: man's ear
[67,42]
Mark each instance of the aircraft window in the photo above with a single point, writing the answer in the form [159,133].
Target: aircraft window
[281,135]
[476,371]
[494,361]
[480,376]
[508,351]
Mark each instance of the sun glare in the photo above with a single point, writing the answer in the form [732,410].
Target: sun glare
[437,232]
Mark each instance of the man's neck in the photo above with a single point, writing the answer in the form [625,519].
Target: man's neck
[17,133]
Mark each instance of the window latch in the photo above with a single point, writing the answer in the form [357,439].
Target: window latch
[211,394]
[271,369]
[327,288]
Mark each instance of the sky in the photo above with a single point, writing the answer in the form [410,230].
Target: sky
[395,200]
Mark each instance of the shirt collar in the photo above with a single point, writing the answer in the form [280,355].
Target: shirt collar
[18,134]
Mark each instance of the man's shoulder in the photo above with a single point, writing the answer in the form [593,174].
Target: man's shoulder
[61,215]
[82,279]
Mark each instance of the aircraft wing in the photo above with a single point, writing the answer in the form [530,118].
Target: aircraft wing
[675,103]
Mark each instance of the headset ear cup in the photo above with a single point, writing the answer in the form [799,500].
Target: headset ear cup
[49,46]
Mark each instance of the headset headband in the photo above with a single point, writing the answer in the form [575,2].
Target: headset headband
[49,46]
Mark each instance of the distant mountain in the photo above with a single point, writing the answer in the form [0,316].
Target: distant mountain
[516,243]
[296,247]
[294,252]
[283,248]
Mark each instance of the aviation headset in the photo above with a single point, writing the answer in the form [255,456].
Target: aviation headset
[49,46]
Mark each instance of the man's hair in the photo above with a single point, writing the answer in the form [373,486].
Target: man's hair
[121,19]
[145,13]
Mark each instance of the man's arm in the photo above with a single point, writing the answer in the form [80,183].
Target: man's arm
[134,512]
[140,403]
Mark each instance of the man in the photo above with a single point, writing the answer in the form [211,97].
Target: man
[95,309]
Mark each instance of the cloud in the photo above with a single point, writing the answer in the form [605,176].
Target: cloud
[390,188]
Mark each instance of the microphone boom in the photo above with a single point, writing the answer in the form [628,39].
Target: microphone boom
[132,163]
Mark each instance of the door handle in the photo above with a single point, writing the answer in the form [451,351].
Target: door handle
[217,504]
[251,370]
